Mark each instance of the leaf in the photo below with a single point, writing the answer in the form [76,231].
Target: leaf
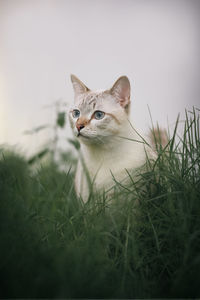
[75,143]
[36,129]
[37,156]
[61,119]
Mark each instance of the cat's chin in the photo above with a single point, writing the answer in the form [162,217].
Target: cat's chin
[86,139]
[83,138]
[89,140]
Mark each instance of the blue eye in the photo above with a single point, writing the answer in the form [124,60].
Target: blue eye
[76,113]
[99,115]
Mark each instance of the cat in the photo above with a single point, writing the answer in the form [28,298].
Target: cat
[110,146]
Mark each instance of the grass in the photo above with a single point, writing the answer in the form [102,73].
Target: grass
[145,244]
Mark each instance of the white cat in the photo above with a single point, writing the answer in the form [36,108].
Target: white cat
[109,144]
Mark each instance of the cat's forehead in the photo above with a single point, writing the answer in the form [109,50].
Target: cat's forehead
[90,98]
[93,100]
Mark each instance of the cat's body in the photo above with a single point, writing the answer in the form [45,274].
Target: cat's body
[110,146]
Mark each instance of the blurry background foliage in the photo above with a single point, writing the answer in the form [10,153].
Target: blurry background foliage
[52,149]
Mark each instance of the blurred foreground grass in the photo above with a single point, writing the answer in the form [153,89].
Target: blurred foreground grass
[145,244]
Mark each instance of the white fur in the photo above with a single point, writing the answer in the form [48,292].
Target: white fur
[109,146]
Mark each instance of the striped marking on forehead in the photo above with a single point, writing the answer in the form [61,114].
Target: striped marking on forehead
[89,100]
[93,102]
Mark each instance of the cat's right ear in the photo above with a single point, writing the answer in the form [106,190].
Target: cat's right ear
[121,91]
[79,86]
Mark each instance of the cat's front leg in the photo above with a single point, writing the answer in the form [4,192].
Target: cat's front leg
[81,184]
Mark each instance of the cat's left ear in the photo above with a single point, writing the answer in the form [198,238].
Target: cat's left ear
[121,91]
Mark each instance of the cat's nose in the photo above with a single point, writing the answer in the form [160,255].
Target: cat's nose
[79,126]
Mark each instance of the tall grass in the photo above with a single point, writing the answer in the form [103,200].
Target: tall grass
[143,244]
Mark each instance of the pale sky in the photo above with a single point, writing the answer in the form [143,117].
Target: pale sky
[156,43]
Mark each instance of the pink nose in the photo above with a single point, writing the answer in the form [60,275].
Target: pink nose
[79,126]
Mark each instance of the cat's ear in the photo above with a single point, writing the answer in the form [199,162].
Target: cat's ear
[79,86]
[121,91]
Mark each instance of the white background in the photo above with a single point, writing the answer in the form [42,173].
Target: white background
[155,43]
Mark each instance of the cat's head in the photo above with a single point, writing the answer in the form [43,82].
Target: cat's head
[96,116]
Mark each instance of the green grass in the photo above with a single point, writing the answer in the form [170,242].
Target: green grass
[143,244]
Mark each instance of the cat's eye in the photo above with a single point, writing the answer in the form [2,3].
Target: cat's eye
[99,115]
[76,113]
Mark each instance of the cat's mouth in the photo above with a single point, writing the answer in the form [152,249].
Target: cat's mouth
[79,134]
